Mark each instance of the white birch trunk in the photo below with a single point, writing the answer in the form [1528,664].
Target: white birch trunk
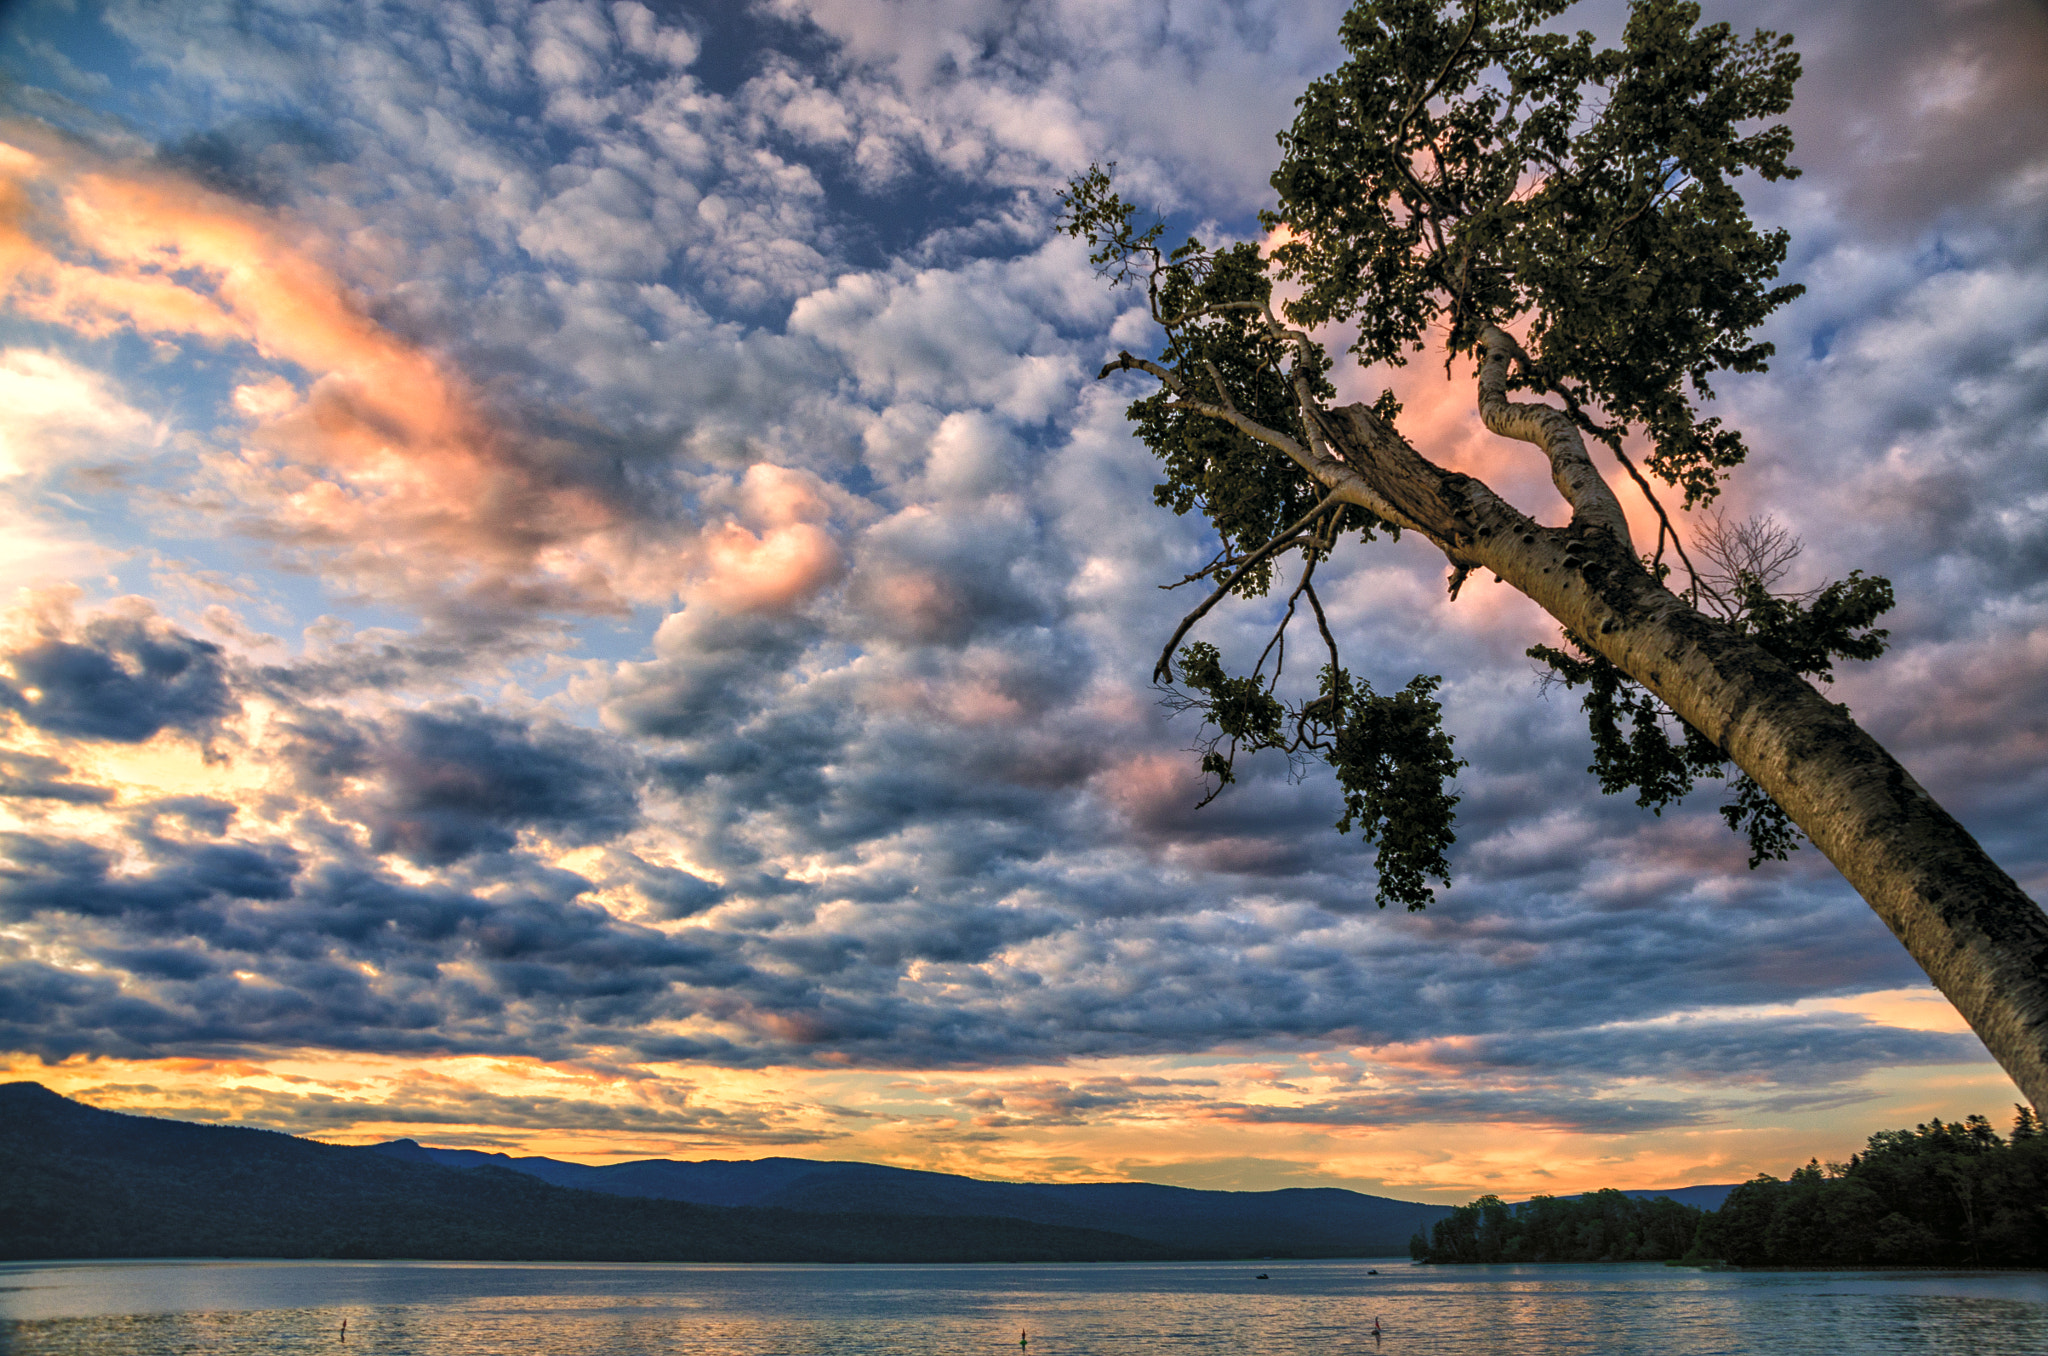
[1981,940]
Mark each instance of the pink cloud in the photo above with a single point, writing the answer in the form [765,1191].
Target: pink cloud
[782,564]
[369,453]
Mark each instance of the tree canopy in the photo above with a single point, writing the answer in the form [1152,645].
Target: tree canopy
[1599,1226]
[1467,169]
[1955,1194]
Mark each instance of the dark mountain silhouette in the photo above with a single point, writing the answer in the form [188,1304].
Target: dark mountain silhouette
[79,1182]
[1698,1197]
[1300,1221]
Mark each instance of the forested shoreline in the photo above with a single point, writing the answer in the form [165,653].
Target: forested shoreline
[1940,1194]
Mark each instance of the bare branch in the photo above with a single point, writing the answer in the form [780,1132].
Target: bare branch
[1279,637]
[1222,391]
[1223,560]
[1323,622]
[1761,549]
[1200,311]
[1163,670]
[1664,524]
[1308,572]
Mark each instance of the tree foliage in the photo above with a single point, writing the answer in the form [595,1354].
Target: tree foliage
[1600,1226]
[1640,745]
[1953,1194]
[1390,753]
[1467,169]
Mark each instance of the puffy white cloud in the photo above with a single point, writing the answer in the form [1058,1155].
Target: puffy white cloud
[873,775]
[977,335]
[53,410]
[1185,97]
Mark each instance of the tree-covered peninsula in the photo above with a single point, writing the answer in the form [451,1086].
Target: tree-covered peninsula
[1954,1194]
[1936,1195]
[1600,1226]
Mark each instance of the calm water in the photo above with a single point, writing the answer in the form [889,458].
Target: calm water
[1324,1308]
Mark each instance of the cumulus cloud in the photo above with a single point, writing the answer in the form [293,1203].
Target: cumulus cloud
[119,678]
[948,338]
[54,411]
[444,783]
[1185,97]
[487,335]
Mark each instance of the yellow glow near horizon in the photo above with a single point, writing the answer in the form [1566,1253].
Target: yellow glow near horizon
[1216,1123]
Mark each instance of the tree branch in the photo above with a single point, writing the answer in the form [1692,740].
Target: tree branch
[1251,428]
[1611,438]
[1327,469]
[1222,391]
[1223,560]
[1163,670]
[1552,430]
[1323,625]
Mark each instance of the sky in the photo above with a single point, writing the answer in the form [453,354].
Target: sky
[567,586]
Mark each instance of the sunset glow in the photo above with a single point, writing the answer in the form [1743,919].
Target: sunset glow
[567,587]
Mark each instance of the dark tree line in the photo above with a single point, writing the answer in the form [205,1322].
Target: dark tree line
[1935,1195]
[1600,1226]
[1954,1194]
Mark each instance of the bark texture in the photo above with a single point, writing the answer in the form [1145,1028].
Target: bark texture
[1981,940]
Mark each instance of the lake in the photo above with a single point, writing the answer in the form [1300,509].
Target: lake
[1324,1307]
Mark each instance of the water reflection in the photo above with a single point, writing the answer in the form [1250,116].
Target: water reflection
[1324,1308]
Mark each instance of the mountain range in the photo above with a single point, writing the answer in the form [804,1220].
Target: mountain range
[1297,1221]
[76,1181]
[1301,1214]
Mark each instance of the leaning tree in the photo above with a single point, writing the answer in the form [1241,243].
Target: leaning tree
[1467,176]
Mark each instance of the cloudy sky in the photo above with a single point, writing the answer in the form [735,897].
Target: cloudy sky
[569,587]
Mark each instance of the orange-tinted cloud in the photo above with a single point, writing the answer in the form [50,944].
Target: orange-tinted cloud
[359,447]
[782,564]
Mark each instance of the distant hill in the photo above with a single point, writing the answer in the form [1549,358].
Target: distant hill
[1298,1221]
[79,1182]
[1698,1197]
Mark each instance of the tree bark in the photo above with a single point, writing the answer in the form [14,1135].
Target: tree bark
[1981,940]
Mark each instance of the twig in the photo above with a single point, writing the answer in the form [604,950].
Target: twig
[1162,672]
